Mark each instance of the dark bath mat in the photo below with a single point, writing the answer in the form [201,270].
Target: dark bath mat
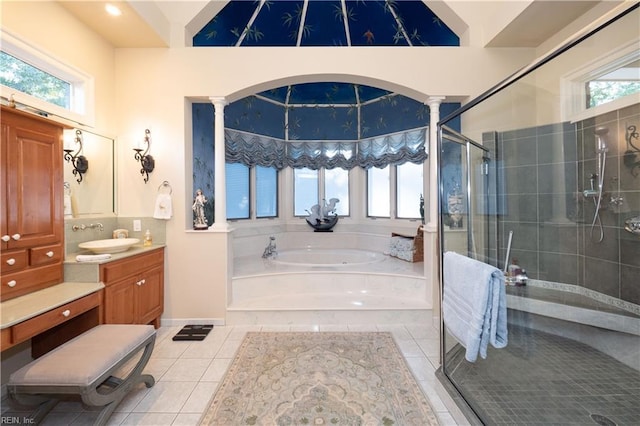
[193,332]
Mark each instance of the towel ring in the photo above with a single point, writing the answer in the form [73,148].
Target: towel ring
[165,184]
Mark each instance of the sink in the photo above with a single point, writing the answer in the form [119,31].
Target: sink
[113,245]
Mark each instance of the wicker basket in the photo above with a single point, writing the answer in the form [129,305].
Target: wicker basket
[418,244]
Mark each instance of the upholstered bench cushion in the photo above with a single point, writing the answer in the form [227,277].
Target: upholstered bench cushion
[86,358]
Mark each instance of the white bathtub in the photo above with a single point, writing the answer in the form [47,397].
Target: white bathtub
[327,286]
[327,257]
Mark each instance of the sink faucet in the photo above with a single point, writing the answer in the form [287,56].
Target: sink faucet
[270,250]
[90,226]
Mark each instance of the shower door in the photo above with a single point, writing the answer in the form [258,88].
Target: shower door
[467,196]
[468,176]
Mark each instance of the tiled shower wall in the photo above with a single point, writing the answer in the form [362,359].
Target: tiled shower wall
[542,172]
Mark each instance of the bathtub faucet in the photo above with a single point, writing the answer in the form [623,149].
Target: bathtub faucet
[270,250]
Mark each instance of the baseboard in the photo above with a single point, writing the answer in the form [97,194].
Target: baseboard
[181,322]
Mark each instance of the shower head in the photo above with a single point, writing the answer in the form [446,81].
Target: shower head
[601,144]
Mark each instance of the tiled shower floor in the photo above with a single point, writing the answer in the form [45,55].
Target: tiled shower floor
[544,379]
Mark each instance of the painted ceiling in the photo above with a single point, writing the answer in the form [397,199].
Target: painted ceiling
[325,23]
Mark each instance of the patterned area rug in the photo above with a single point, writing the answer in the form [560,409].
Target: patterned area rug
[326,378]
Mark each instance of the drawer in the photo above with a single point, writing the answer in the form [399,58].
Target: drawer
[5,338]
[36,325]
[32,279]
[46,254]
[114,271]
[14,260]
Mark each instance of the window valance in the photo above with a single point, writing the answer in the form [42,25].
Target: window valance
[396,148]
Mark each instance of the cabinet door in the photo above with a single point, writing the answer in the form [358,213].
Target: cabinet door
[33,182]
[4,164]
[118,302]
[150,295]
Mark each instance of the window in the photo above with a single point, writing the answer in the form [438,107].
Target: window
[606,84]
[239,179]
[266,192]
[409,188]
[621,82]
[378,192]
[310,187]
[336,185]
[395,189]
[305,190]
[42,82]
[28,79]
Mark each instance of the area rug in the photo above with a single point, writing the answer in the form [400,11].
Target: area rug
[319,378]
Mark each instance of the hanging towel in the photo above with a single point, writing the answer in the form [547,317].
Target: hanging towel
[92,257]
[474,306]
[163,207]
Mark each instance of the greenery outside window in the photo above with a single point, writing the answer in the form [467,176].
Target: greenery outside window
[604,85]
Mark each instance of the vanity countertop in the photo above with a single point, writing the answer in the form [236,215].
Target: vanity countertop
[30,305]
[70,259]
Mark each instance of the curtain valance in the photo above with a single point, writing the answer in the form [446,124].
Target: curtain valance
[397,148]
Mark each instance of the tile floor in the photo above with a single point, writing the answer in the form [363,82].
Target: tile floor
[187,374]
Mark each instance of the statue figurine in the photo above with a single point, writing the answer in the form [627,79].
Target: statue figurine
[323,217]
[200,221]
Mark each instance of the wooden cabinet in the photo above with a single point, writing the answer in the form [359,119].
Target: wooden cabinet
[31,210]
[134,289]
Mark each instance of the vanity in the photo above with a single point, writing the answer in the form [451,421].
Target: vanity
[45,297]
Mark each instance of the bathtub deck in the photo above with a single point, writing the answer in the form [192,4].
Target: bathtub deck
[249,266]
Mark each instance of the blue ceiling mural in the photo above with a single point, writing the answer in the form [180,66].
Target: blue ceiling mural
[325,23]
[327,111]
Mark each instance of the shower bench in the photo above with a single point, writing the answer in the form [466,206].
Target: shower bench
[86,366]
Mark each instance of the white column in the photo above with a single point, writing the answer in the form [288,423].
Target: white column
[434,116]
[220,188]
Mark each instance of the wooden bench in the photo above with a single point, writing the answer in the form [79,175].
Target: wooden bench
[86,366]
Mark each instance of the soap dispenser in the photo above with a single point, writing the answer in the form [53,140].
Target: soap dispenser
[147,239]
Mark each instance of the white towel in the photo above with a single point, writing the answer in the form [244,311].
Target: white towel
[92,257]
[163,207]
[474,304]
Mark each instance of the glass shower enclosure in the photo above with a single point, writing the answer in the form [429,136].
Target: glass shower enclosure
[536,175]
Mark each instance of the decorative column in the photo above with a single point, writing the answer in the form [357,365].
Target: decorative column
[220,187]
[434,116]
[431,247]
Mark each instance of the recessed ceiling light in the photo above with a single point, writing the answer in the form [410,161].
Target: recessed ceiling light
[112,10]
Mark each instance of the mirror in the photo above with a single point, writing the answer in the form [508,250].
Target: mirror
[94,195]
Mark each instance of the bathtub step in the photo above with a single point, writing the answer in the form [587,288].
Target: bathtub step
[327,316]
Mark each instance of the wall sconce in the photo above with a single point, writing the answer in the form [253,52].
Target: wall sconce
[146,161]
[79,161]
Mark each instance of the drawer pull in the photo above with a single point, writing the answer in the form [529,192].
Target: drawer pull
[66,313]
[49,254]
[6,238]
[143,281]
[12,283]
[11,261]
[16,237]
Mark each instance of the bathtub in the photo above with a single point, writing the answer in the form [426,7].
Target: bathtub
[315,257]
[321,285]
